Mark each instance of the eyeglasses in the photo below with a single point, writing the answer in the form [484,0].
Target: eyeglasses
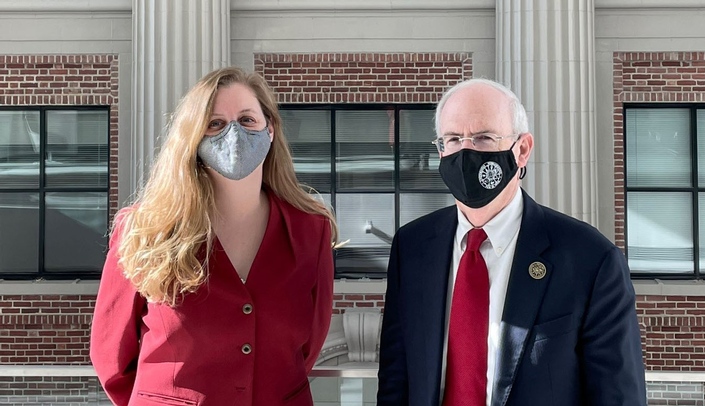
[486,142]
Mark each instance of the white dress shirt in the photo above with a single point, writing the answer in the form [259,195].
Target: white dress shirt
[498,252]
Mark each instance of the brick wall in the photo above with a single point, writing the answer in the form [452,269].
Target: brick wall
[673,327]
[649,77]
[673,332]
[348,300]
[65,80]
[54,329]
[362,77]
[55,391]
[45,329]
[675,393]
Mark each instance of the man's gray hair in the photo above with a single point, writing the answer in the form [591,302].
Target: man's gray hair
[520,123]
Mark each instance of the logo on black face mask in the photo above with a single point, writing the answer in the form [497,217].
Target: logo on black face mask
[490,175]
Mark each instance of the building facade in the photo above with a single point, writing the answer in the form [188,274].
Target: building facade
[614,90]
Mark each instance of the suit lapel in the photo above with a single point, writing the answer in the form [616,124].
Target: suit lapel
[523,299]
[433,260]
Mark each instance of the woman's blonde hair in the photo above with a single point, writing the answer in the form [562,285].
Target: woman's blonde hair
[163,236]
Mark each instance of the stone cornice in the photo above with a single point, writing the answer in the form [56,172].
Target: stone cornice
[43,6]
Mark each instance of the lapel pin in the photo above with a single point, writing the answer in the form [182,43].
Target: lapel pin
[537,270]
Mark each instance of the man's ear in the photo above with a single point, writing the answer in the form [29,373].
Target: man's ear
[526,145]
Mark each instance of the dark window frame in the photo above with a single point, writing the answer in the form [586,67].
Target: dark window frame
[694,189]
[397,188]
[42,190]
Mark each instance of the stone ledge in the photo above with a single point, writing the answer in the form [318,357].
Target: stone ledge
[669,288]
[365,371]
[125,6]
[342,286]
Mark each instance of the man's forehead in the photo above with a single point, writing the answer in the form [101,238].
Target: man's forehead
[476,106]
[475,122]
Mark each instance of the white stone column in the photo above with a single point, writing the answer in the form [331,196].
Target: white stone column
[174,43]
[545,54]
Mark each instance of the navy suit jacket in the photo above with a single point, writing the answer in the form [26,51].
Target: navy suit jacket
[569,338]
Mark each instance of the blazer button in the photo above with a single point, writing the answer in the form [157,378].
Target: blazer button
[246,349]
[247,308]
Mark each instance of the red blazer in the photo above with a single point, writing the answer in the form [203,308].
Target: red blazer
[228,343]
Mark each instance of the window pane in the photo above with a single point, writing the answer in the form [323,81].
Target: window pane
[19,149]
[365,149]
[19,232]
[76,225]
[701,149]
[367,221]
[658,147]
[419,160]
[308,133]
[415,205]
[659,232]
[77,148]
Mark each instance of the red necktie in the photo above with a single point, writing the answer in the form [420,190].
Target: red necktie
[466,362]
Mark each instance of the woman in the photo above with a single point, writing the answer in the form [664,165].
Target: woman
[217,288]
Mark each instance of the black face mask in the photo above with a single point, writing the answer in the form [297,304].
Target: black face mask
[476,178]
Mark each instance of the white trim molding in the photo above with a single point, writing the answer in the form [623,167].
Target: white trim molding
[341,286]
[360,286]
[642,287]
[674,376]
[47,370]
[356,370]
[408,5]
[672,4]
[359,5]
[34,6]
[61,6]
[669,288]
[74,287]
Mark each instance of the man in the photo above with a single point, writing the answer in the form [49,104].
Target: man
[537,310]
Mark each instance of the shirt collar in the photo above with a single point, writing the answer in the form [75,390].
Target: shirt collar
[500,230]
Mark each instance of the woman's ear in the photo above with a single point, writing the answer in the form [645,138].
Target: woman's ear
[270,128]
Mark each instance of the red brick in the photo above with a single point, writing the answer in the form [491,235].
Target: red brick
[353,297]
[374,297]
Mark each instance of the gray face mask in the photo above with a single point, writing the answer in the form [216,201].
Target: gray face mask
[235,152]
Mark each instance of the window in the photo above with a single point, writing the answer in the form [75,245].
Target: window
[375,165]
[665,190]
[53,191]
